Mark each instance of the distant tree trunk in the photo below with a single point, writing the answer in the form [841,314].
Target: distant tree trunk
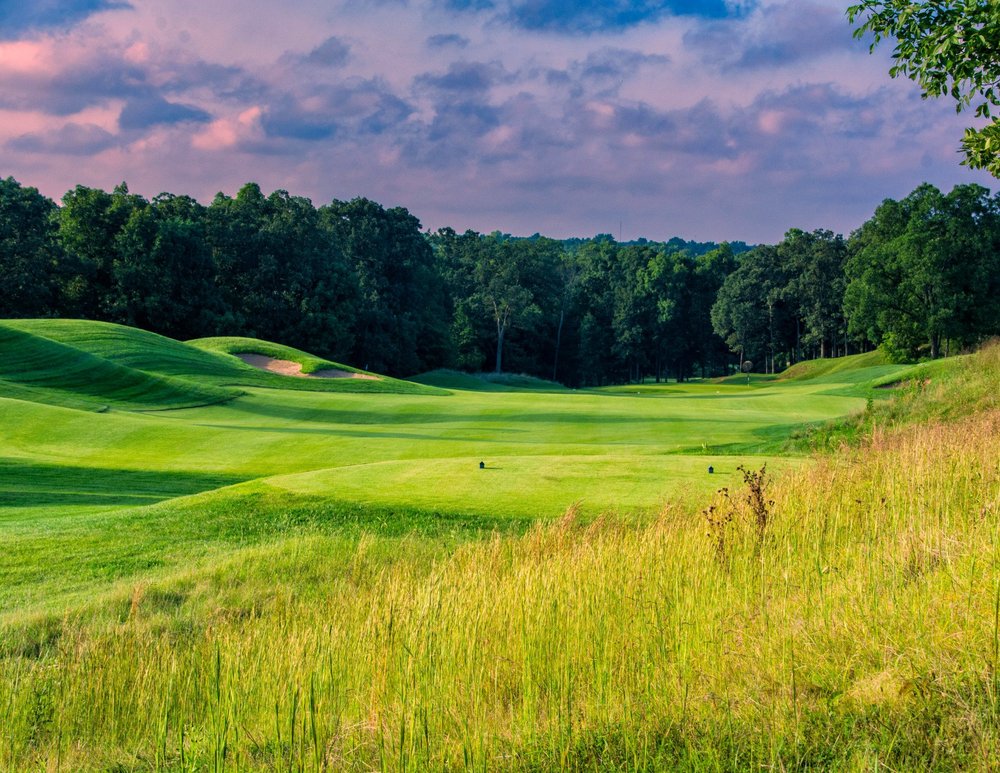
[555,362]
[501,315]
[501,331]
[770,333]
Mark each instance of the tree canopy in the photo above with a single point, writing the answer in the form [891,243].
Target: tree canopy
[927,269]
[362,284]
[951,48]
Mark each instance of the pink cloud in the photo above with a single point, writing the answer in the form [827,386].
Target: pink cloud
[226,133]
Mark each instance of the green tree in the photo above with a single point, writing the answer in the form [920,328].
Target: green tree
[547,273]
[456,255]
[507,298]
[924,270]
[401,324]
[683,288]
[281,272]
[163,272]
[711,270]
[501,291]
[29,253]
[597,356]
[752,312]
[950,48]
[815,266]
[90,221]
[568,284]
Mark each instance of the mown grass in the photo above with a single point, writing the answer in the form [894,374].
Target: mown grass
[89,500]
[208,362]
[488,382]
[858,629]
[33,367]
[310,363]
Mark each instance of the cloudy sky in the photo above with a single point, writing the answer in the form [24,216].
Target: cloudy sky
[706,119]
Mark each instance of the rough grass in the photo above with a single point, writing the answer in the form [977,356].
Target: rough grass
[942,390]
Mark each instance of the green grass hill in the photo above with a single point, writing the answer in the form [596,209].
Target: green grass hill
[35,367]
[209,360]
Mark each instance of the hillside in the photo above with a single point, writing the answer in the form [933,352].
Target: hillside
[35,367]
[210,361]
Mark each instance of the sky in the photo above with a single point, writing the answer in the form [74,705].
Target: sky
[705,119]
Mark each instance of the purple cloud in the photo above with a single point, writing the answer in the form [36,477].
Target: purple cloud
[73,139]
[465,77]
[89,83]
[775,36]
[18,18]
[442,40]
[332,52]
[149,111]
[357,107]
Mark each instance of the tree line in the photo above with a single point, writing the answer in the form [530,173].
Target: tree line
[359,283]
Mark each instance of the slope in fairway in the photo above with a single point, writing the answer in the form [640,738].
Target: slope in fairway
[209,361]
[72,480]
[34,367]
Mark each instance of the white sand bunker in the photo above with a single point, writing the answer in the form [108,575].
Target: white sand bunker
[289,368]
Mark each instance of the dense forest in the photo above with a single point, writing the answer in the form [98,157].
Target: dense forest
[362,284]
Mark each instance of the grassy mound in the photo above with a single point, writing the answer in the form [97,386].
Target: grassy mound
[35,368]
[871,368]
[233,345]
[133,348]
[207,361]
[948,390]
[242,345]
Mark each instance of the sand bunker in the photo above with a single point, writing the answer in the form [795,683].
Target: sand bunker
[289,368]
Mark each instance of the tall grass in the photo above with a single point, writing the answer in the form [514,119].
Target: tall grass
[857,628]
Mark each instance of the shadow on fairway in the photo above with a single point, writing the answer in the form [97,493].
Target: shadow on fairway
[377,417]
[494,435]
[29,484]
